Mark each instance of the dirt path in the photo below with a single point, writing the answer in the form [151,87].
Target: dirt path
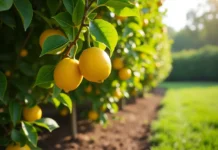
[128,131]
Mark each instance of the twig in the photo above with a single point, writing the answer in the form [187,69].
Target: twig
[87,6]
[27,38]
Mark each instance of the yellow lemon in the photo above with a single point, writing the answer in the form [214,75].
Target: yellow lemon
[125,73]
[93,115]
[117,63]
[23,53]
[118,94]
[32,114]
[64,111]
[67,75]
[88,89]
[17,147]
[8,73]
[95,64]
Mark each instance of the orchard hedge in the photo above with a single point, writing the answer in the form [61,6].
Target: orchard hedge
[127,30]
[195,65]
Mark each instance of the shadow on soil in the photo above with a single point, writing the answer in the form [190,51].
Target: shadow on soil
[130,129]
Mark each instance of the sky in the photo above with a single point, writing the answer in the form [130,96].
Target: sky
[177,10]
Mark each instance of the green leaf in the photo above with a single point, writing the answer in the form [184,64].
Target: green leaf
[100,2]
[70,32]
[33,147]
[30,100]
[3,83]
[78,12]
[104,32]
[30,132]
[53,6]
[18,136]
[64,19]
[122,8]
[114,108]
[45,75]
[8,18]
[47,123]
[15,110]
[145,48]
[56,91]
[44,18]
[99,45]
[92,16]
[69,5]
[55,102]
[73,50]
[25,11]
[65,100]
[133,28]
[5,4]
[54,44]
[80,45]
[46,85]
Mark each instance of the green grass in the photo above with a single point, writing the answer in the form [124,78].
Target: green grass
[188,119]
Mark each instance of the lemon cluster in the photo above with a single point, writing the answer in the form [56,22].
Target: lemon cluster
[123,72]
[94,65]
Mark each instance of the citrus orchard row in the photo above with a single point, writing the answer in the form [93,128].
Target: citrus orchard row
[72,54]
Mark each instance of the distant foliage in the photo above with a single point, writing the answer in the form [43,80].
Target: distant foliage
[198,65]
[201,29]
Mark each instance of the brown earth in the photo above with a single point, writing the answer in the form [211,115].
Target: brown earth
[129,130]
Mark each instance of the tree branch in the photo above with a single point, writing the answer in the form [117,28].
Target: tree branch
[87,6]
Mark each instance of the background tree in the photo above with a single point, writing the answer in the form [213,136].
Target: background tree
[201,28]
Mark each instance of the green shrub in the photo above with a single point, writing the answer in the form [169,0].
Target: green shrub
[196,65]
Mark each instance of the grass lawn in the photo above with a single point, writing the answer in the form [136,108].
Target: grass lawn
[188,119]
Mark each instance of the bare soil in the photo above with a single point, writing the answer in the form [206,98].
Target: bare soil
[128,130]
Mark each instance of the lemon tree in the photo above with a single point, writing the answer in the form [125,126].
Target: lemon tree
[72,53]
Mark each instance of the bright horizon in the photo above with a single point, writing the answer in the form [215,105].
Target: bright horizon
[177,10]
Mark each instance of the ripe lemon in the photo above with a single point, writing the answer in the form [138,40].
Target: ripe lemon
[23,53]
[118,94]
[49,32]
[17,147]
[93,115]
[117,63]
[88,89]
[125,73]
[8,73]
[32,114]
[64,112]
[67,75]
[95,64]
